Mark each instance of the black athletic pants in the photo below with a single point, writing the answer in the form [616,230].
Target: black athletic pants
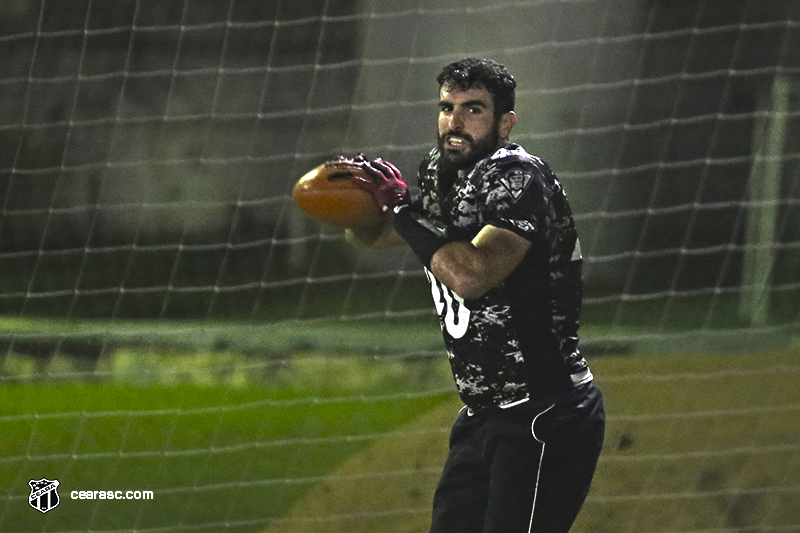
[525,469]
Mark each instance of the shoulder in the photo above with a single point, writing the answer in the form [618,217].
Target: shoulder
[514,159]
[428,168]
[511,173]
[429,164]
[427,182]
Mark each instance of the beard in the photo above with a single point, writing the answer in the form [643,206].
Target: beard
[453,161]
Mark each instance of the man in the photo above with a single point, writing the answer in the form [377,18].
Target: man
[493,228]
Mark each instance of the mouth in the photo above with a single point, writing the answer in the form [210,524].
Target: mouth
[456,142]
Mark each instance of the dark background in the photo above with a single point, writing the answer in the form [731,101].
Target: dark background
[147,149]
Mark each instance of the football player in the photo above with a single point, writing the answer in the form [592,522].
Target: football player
[493,229]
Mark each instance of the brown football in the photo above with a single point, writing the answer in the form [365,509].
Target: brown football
[327,194]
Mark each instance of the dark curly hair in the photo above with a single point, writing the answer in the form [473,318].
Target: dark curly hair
[472,73]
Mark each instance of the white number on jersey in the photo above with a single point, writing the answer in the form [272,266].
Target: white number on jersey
[450,306]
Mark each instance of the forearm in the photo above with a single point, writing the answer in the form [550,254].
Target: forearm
[457,264]
[471,269]
[463,268]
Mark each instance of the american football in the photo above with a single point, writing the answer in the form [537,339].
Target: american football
[327,194]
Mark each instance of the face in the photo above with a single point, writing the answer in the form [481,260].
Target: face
[468,131]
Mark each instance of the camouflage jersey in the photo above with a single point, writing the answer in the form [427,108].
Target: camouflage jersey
[520,339]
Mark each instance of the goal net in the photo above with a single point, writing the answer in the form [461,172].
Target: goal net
[148,242]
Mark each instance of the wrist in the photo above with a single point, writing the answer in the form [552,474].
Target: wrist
[420,234]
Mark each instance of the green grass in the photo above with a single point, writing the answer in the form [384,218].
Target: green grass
[381,334]
[301,426]
[210,454]
[701,442]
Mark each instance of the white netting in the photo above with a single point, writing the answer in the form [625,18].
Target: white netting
[147,152]
[170,136]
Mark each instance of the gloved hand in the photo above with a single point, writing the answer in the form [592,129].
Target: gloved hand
[385,182]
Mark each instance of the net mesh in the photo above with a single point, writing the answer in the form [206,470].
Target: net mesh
[147,154]
[170,137]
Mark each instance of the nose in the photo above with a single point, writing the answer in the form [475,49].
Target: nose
[455,121]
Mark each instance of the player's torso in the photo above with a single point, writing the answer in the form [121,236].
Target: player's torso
[482,336]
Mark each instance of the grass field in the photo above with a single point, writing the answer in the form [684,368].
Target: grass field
[329,441]
[703,442]
[220,458]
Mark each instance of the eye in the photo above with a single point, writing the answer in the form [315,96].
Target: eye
[445,108]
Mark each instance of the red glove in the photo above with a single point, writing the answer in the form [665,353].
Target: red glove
[386,183]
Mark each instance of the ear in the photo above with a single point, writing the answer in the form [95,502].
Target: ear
[507,121]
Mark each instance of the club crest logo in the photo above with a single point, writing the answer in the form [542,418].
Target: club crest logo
[44,495]
[515,182]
